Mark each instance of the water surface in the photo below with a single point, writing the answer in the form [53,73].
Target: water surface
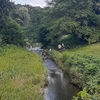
[59,87]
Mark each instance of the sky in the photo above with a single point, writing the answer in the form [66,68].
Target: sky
[31,2]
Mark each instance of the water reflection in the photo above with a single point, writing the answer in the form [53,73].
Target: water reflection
[59,87]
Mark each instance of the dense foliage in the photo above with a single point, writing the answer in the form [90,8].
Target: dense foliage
[60,17]
[63,17]
[32,35]
[12,34]
[82,65]
[80,17]
[4,13]
[10,30]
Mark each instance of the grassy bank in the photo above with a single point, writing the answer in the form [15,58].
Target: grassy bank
[22,74]
[83,65]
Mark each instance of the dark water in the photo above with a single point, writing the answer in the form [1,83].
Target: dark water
[59,87]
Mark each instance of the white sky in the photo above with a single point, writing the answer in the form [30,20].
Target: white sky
[31,2]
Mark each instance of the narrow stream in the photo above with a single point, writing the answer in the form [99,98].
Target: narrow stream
[59,87]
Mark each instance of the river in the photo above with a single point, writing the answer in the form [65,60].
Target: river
[59,86]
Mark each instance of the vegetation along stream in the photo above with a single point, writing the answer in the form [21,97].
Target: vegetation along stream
[72,25]
[59,86]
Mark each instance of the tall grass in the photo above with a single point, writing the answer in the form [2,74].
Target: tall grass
[22,74]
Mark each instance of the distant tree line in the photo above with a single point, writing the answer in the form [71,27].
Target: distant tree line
[25,25]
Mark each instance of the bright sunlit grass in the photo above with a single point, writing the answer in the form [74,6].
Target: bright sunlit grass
[22,74]
[88,49]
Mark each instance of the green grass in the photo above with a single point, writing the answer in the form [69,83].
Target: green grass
[83,65]
[88,49]
[22,74]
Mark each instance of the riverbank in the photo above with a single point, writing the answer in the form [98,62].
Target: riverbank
[22,74]
[82,64]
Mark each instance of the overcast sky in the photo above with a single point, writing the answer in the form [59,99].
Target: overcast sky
[31,2]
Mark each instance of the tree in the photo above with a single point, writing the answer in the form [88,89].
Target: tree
[5,7]
[74,17]
[32,31]
[12,34]
[24,16]
[42,36]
